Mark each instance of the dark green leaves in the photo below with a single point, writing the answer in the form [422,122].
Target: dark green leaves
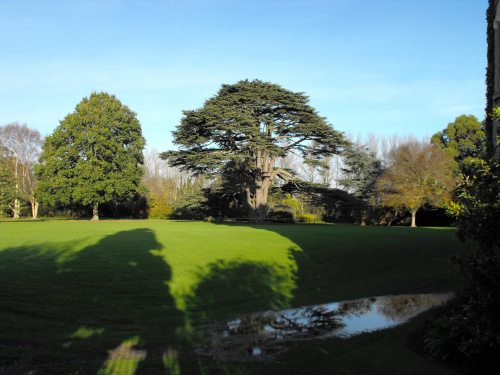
[247,118]
[463,139]
[93,156]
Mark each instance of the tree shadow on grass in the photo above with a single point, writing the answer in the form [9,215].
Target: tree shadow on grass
[107,308]
[346,262]
[232,287]
[68,310]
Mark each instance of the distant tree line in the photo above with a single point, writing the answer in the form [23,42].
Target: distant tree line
[252,147]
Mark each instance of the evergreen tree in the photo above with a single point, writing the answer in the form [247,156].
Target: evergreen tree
[463,139]
[241,132]
[361,170]
[93,156]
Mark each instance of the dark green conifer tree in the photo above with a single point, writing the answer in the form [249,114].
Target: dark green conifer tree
[240,132]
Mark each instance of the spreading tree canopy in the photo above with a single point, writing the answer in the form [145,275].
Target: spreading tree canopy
[418,173]
[93,156]
[240,133]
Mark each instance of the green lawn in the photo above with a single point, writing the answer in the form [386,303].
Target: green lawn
[109,297]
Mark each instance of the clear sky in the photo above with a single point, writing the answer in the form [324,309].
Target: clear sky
[369,66]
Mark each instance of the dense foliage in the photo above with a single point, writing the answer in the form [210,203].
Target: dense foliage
[93,156]
[464,140]
[158,207]
[470,330]
[213,202]
[7,187]
[337,205]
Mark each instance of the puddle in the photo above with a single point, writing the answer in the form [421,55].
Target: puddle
[261,335]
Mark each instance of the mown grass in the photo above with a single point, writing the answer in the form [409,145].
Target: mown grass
[79,297]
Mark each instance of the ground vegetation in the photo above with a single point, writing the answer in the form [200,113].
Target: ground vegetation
[132,294]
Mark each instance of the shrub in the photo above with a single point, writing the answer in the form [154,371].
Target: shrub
[160,212]
[280,215]
[475,324]
[158,207]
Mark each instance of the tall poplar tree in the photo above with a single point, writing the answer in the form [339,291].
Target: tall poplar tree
[93,156]
[240,133]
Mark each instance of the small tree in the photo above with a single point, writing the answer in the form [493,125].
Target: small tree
[93,156]
[361,170]
[418,173]
[240,134]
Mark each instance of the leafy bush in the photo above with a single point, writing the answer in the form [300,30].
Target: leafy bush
[158,207]
[161,212]
[215,202]
[446,332]
[474,325]
[290,201]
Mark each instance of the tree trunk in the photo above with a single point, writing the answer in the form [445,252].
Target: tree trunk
[95,212]
[17,208]
[34,209]
[413,218]
[255,200]
[257,216]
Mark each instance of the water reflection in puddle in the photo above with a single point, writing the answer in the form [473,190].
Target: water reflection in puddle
[259,335]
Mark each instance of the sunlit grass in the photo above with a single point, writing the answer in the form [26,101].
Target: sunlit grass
[74,292]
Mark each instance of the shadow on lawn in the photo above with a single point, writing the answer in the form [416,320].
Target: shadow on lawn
[346,262]
[107,309]
[234,287]
[70,309]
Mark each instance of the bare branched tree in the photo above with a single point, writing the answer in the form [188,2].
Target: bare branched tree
[417,173]
[21,147]
[166,181]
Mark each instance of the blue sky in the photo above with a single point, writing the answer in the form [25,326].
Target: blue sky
[369,66]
